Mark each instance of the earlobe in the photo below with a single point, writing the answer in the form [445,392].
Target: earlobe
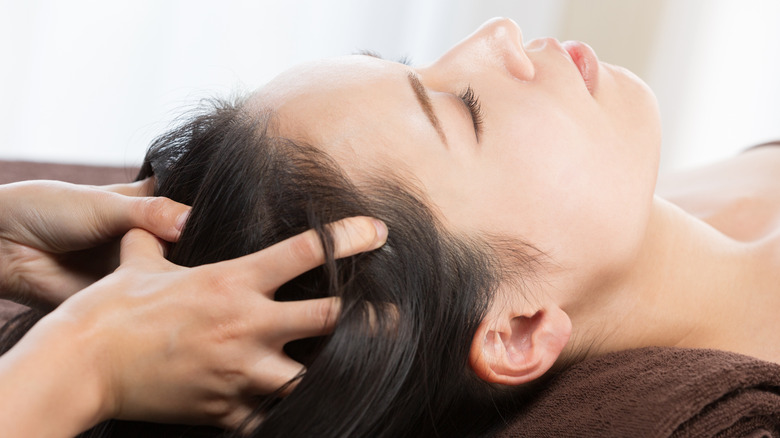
[512,350]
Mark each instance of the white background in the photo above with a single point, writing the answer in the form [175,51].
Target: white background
[94,81]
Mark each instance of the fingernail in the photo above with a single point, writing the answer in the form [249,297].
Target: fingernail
[182,220]
[381,233]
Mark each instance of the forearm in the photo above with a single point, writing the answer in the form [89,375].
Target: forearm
[48,384]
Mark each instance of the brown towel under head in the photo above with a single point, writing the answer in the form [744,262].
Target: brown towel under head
[12,171]
[657,392]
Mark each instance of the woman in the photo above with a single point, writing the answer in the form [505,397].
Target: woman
[517,183]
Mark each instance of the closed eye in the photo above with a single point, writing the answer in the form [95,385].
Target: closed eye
[471,101]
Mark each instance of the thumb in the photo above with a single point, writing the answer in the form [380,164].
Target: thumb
[141,247]
[161,216]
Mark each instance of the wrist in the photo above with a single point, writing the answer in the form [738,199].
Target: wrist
[79,346]
[51,384]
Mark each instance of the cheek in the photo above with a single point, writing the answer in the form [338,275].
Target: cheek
[565,191]
[631,108]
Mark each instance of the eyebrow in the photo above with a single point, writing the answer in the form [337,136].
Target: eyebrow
[419,91]
[425,103]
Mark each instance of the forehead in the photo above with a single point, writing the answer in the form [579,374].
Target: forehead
[335,92]
[326,75]
[352,107]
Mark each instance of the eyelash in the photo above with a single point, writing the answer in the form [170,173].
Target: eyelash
[472,102]
[469,97]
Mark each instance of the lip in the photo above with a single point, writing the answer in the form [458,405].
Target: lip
[586,61]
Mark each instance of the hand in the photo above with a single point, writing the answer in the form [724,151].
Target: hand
[192,345]
[56,238]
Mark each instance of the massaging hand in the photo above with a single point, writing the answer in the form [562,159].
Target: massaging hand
[55,237]
[161,342]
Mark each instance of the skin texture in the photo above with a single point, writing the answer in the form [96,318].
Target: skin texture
[203,339]
[552,165]
[567,168]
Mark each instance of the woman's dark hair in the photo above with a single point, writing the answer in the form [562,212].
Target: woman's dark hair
[397,362]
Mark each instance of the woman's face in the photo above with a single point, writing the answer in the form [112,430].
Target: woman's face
[567,167]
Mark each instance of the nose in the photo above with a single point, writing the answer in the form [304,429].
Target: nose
[498,43]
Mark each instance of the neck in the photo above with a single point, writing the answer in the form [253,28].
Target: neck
[690,286]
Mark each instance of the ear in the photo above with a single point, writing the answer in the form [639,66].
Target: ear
[512,349]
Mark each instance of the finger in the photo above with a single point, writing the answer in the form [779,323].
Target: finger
[140,246]
[272,373]
[290,258]
[307,318]
[144,187]
[357,234]
[161,216]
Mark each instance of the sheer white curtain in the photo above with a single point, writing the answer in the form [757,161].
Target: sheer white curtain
[716,72]
[94,81]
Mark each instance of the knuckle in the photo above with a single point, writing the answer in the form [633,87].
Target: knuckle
[306,248]
[155,210]
[231,329]
[218,283]
[321,312]
[232,374]
[219,408]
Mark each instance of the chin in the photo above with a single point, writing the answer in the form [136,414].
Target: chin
[636,108]
[628,82]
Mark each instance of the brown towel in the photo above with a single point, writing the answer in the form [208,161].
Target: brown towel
[12,171]
[657,392]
